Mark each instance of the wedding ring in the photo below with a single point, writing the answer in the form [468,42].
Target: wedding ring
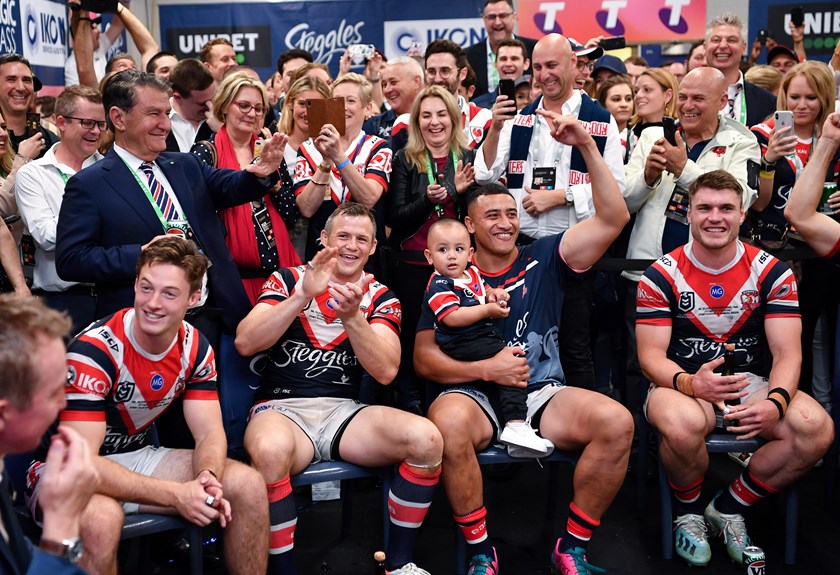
[310,266]
[210,500]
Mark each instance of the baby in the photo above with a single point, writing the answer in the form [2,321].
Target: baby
[464,307]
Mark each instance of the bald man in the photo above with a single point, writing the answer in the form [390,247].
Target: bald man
[659,174]
[523,151]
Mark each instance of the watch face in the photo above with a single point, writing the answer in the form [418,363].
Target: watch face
[74,549]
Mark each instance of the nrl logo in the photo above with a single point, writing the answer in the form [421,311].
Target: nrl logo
[686,301]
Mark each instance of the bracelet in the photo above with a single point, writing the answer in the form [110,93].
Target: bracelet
[781,398]
[325,184]
[342,164]
[210,471]
[767,175]
[767,166]
[778,406]
[676,375]
[685,383]
[324,169]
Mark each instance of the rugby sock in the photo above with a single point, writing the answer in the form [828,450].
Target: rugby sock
[579,529]
[283,519]
[686,497]
[744,492]
[409,500]
[473,526]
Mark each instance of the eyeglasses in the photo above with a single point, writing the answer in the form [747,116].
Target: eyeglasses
[246,107]
[89,124]
[501,16]
[442,72]
[588,65]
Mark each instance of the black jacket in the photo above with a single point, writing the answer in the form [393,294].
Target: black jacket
[760,104]
[477,58]
[408,205]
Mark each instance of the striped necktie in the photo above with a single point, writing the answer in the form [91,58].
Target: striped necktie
[731,101]
[159,193]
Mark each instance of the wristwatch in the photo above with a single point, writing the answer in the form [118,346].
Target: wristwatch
[570,198]
[70,549]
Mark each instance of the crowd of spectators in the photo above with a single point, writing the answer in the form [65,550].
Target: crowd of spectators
[173,208]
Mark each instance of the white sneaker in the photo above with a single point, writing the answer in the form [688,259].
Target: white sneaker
[742,459]
[408,569]
[522,441]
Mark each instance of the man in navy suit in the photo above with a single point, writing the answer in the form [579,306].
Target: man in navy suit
[499,20]
[726,43]
[34,370]
[511,63]
[110,213]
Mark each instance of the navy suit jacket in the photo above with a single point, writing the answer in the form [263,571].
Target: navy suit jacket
[486,100]
[477,58]
[760,103]
[19,556]
[106,217]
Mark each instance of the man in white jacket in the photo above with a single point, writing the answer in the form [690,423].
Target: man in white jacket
[658,174]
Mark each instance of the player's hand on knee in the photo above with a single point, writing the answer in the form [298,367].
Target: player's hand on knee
[195,504]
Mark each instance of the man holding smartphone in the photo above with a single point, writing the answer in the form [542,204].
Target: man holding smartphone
[511,62]
[17,94]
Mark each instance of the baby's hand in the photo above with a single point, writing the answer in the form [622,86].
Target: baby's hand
[497,295]
[497,310]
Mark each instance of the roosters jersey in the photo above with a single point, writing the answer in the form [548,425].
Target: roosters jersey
[707,308]
[535,282]
[111,379]
[314,358]
[445,295]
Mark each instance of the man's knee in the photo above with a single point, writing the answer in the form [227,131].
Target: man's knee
[101,524]
[455,421]
[425,441]
[615,424]
[271,453]
[811,428]
[680,422]
[244,485]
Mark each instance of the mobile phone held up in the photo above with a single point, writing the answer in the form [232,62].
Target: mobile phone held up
[783,119]
[612,43]
[797,16]
[33,124]
[507,87]
[669,128]
[762,36]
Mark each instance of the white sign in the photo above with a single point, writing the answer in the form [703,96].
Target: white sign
[400,35]
[44,30]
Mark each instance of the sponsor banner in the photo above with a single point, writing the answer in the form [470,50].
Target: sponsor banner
[822,25]
[639,21]
[45,29]
[400,35]
[260,31]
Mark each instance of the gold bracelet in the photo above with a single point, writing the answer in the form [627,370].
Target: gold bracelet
[325,184]
[323,169]
[765,175]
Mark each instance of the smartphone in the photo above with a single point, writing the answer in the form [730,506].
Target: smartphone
[507,87]
[797,16]
[612,43]
[33,124]
[361,52]
[783,119]
[669,127]
[762,36]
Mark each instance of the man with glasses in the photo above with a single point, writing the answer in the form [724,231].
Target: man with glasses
[192,89]
[17,95]
[136,193]
[586,56]
[39,189]
[499,21]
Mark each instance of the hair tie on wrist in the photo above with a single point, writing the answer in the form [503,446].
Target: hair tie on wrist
[342,164]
